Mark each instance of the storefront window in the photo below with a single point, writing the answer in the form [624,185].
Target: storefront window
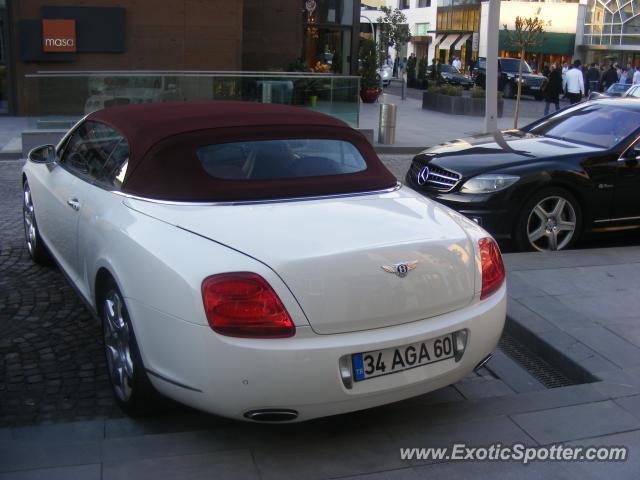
[327,35]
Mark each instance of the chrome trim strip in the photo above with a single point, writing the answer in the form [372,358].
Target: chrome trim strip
[397,187]
[172,382]
[622,219]
[435,174]
[441,183]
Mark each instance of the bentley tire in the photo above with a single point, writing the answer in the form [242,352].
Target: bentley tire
[37,251]
[131,387]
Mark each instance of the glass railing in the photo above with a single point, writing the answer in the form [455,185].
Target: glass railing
[54,99]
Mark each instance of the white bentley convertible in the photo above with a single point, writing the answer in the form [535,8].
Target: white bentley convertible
[259,262]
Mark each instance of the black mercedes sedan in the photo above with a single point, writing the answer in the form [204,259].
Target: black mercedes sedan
[575,171]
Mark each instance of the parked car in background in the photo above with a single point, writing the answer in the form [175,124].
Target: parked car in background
[508,71]
[385,72]
[633,92]
[259,262]
[546,184]
[450,75]
[615,90]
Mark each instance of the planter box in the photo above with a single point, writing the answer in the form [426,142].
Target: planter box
[461,105]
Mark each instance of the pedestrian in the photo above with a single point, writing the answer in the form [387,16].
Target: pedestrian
[434,70]
[610,77]
[553,89]
[623,76]
[574,82]
[636,76]
[546,70]
[457,63]
[593,78]
[533,65]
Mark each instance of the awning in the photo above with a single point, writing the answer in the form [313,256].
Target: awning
[448,41]
[462,41]
[554,43]
[438,39]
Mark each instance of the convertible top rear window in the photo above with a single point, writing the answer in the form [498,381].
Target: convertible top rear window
[241,151]
[277,159]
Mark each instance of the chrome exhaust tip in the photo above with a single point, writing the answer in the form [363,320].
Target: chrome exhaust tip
[271,415]
[483,362]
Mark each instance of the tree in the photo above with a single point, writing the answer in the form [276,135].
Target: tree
[528,33]
[394,31]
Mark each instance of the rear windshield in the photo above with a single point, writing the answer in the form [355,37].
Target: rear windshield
[280,159]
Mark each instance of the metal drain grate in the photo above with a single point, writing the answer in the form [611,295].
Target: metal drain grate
[537,367]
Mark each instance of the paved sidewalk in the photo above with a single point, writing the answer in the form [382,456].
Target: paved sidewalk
[418,129]
[571,299]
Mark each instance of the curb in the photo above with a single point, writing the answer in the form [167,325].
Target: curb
[388,149]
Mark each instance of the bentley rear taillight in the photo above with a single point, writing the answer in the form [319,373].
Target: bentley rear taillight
[492,267]
[243,304]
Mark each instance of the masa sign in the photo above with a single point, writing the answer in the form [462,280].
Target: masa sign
[58,36]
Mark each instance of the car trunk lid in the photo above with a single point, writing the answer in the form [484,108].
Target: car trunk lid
[340,257]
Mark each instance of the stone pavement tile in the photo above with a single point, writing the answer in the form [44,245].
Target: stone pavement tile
[519,286]
[628,469]
[442,395]
[495,470]
[557,312]
[225,465]
[181,420]
[559,281]
[407,473]
[618,383]
[76,472]
[527,317]
[470,410]
[512,374]
[480,387]
[609,345]
[60,433]
[337,455]
[630,404]
[629,329]
[577,351]
[604,307]
[473,433]
[576,422]
[26,456]
[572,258]
[124,449]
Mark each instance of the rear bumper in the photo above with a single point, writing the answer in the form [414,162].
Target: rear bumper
[230,376]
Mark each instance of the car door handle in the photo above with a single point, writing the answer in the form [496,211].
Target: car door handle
[74,203]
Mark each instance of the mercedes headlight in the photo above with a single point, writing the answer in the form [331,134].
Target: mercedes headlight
[488,183]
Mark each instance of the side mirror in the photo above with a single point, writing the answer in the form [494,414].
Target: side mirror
[44,154]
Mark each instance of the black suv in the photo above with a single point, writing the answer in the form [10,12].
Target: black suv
[508,76]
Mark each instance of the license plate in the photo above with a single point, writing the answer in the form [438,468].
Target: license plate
[392,360]
[534,88]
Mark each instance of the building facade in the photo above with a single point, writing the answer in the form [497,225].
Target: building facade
[182,35]
[560,26]
[421,18]
[611,32]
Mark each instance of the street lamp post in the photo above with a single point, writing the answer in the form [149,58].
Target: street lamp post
[491,77]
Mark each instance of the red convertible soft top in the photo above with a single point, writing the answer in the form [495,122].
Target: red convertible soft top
[164,139]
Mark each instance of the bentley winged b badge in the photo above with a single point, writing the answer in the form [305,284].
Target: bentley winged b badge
[401,269]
